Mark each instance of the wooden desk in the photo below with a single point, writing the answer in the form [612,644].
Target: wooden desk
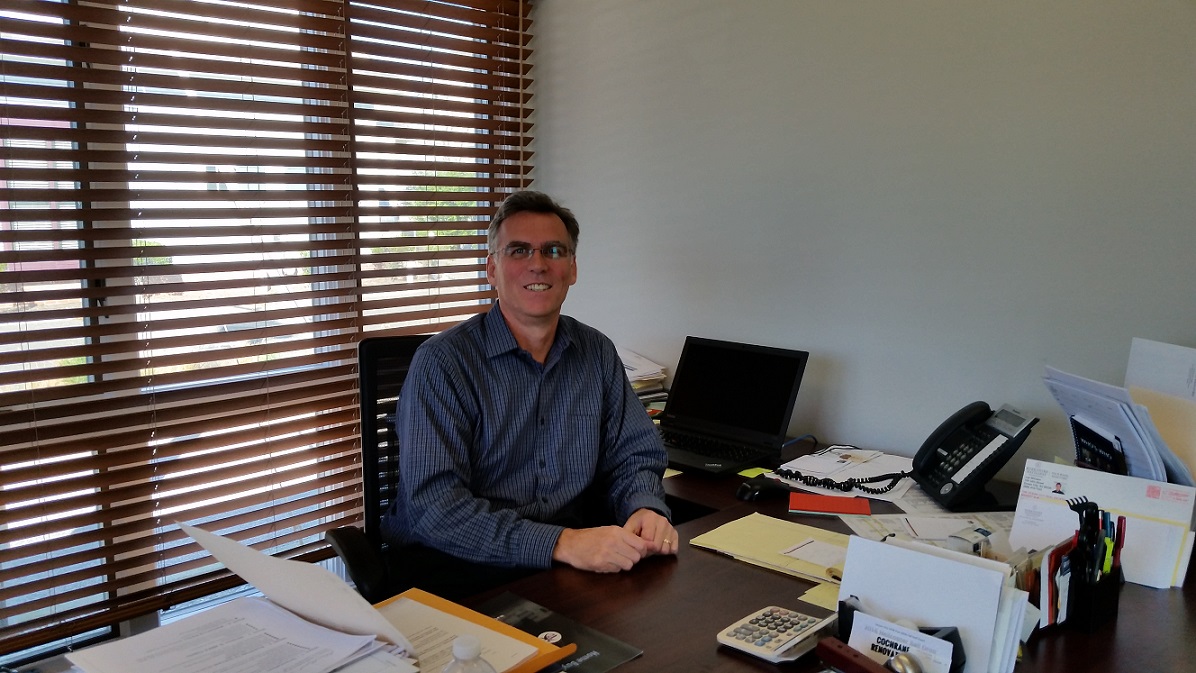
[672,607]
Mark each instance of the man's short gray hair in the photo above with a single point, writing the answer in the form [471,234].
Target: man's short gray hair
[534,202]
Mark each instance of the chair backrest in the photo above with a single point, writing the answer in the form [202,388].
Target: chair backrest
[382,363]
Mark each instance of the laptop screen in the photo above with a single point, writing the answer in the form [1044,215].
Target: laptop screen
[734,390]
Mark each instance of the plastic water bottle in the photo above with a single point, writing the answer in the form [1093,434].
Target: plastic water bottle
[467,657]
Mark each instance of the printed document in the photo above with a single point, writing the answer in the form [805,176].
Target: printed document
[840,463]
[246,635]
[313,622]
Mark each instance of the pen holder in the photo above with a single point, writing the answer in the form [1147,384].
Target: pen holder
[1091,605]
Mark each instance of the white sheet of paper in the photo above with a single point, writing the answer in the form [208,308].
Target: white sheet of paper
[242,636]
[936,527]
[1158,517]
[917,501]
[1162,367]
[308,590]
[1010,617]
[380,661]
[880,526]
[819,553]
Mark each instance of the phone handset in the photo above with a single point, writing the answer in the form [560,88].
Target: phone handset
[966,451]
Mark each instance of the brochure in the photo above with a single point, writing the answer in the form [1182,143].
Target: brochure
[596,651]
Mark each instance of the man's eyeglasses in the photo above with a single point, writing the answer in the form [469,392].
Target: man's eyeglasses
[522,251]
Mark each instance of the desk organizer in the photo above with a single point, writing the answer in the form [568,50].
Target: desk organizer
[848,608]
[1089,605]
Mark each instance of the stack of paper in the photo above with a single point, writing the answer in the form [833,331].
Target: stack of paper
[647,377]
[1121,420]
[840,463]
[245,634]
[935,587]
[1158,541]
[313,622]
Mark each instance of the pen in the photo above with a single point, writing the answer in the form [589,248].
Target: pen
[1119,542]
[1105,557]
[1090,536]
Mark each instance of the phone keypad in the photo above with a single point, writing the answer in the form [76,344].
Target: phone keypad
[971,444]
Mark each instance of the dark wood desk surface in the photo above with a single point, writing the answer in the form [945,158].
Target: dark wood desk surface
[672,607]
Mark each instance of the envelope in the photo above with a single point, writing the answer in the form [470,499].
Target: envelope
[1158,542]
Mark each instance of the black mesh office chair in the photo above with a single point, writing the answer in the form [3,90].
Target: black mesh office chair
[383,362]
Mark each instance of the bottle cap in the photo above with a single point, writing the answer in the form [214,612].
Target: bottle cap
[467,647]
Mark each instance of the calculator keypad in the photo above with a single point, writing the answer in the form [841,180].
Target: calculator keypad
[771,632]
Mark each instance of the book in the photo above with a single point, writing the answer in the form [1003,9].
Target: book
[1096,449]
[829,505]
[596,651]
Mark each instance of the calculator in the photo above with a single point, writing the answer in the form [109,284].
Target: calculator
[776,634]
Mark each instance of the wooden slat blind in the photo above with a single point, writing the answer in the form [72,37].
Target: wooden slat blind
[203,207]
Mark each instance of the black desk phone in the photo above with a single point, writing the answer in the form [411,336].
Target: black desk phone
[967,450]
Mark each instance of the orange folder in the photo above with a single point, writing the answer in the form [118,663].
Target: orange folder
[546,652]
[815,503]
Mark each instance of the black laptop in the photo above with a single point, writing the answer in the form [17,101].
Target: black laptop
[729,405]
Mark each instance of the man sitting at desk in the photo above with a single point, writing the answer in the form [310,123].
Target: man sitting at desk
[520,433]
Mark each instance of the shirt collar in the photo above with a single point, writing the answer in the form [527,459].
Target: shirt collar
[499,340]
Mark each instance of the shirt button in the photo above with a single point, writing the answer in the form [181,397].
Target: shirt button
[544,499]
[542,463]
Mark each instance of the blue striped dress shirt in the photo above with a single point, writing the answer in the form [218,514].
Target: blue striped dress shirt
[495,447]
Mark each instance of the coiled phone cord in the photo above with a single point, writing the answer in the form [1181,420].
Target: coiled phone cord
[849,484]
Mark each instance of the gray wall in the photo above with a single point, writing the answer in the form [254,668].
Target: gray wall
[936,199]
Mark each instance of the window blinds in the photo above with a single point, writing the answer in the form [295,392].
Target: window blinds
[204,205]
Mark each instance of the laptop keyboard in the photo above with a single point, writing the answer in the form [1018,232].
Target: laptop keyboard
[709,446]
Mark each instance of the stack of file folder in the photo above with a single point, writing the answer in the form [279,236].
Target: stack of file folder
[1146,429]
